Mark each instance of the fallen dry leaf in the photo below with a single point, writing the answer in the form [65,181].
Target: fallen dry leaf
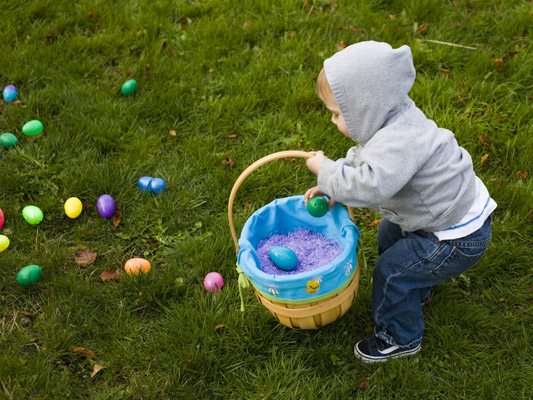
[485,140]
[340,45]
[246,23]
[363,385]
[374,223]
[117,217]
[82,351]
[422,29]
[218,326]
[85,257]
[247,205]
[521,174]
[97,368]
[392,17]
[111,274]
[147,70]
[483,158]
[231,136]
[500,63]
[446,72]
[228,161]
[173,133]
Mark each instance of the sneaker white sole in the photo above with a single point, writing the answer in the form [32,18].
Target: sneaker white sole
[370,359]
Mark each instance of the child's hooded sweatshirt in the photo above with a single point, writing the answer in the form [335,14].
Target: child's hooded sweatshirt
[405,167]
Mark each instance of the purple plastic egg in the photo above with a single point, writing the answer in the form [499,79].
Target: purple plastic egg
[144,182]
[157,185]
[105,205]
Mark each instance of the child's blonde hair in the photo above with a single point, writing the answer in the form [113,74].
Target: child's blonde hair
[323,90]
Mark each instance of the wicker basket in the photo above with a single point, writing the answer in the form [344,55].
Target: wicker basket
[314,314]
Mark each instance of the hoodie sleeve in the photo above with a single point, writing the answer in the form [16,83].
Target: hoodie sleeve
[376,173]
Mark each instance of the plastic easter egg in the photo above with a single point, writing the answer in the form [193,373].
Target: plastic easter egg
[317,206]
[129,87]
[105,205]
[73,207]
[144,182]
[157,185]
[29,275]
[8,140]
[283,258]
[1,218]
[213,282]
[135,266]
[32,128]
[4,242]
[32,214]
[10,93]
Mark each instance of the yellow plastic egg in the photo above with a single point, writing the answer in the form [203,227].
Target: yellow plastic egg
[4,242]
[73,207]
[134,266]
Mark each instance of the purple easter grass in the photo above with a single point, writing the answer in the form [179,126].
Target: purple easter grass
[312,249]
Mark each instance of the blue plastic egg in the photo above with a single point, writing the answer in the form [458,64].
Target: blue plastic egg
[157,185]
[283,258]
[143,182]
[10,93]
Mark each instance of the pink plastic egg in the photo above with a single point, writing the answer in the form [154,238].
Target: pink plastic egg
[213,281]
[1,218]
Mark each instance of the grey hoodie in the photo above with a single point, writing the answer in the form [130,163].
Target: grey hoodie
[405,167]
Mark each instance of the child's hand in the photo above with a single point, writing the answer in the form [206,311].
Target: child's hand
[315,162]
[315,192]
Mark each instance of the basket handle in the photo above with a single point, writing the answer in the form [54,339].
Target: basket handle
[253,167]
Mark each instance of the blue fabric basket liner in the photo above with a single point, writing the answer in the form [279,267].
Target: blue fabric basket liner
[286,215]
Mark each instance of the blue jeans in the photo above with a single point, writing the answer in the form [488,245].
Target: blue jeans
[406,269]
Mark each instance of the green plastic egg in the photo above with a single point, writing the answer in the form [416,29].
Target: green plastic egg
[8,140]
[32,128]
[317,206]
[32,214]
[4,242]
[129,87]
[29,275]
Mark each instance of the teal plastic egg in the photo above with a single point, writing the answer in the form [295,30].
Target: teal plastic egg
[129,87]
[283,258]
[29,275]
[317,206]
[8,140]
[32,214]
[32,128]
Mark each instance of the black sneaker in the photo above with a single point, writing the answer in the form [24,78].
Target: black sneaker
[373,349]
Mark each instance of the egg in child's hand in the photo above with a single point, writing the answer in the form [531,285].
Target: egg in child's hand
[283,258]
[317,206]
[73,207]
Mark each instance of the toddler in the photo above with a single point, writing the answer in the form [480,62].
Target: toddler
[436,211]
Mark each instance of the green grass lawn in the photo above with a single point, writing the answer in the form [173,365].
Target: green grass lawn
[222,84]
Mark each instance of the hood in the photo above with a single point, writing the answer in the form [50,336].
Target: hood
[370,82]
